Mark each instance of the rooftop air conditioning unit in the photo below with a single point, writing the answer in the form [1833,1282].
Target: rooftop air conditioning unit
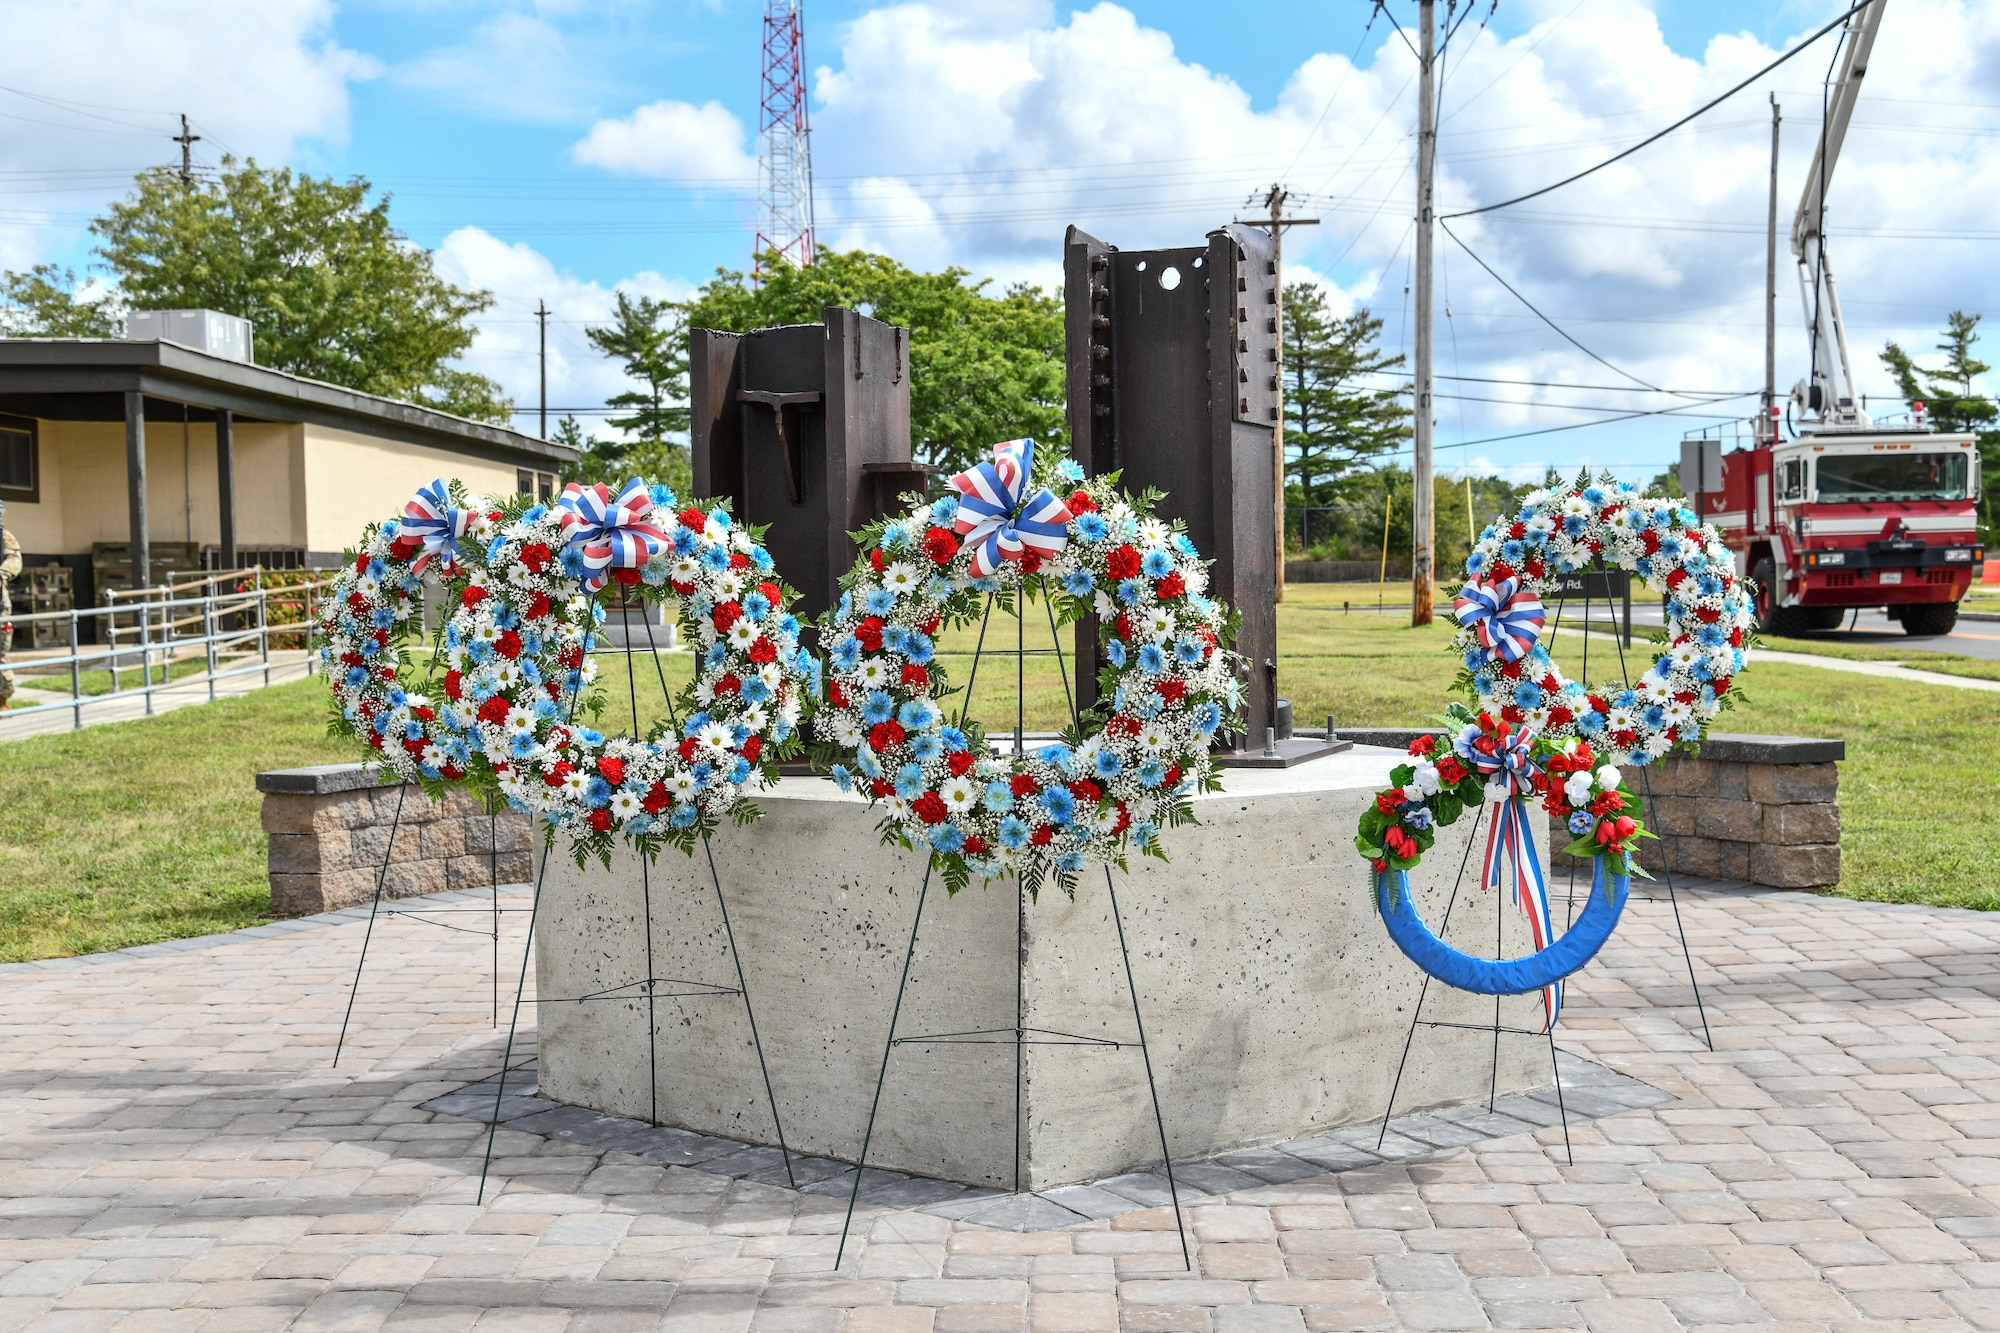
[208,331]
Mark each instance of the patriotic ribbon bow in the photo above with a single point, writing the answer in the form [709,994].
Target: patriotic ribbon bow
[1506,617]
[1511,859]
[609,532]
[997,518]
[430,520]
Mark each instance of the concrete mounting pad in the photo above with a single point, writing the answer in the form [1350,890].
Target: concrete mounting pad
[1275,1006]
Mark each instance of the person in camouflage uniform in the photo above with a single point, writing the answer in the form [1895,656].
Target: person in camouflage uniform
[10,568]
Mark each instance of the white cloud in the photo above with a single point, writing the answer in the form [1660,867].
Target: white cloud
[511,67]
[948,133]
[507,348]
[255,77]
[675,141]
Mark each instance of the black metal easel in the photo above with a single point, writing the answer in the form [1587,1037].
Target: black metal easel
[1019,1035]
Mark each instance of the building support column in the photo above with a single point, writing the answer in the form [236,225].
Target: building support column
[225,482]
[135,481]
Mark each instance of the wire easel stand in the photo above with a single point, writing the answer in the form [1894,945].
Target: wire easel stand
[1646,774]
[650,986]
[1020,1036]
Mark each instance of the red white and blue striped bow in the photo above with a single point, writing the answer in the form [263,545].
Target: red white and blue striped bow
[1506,617]
[997,518]
[429,518]
[609,532]
[1511,857]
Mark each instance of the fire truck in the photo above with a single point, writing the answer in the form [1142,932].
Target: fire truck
[1828,509]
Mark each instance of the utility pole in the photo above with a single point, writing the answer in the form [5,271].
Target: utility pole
[1423,513]
[542,319]
[1767,428]
[1274,200]
[187,141]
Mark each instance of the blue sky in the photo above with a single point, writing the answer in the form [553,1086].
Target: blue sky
[559,150]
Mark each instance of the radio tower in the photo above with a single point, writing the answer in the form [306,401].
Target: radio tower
[784,145]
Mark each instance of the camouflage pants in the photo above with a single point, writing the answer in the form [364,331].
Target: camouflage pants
[6,642]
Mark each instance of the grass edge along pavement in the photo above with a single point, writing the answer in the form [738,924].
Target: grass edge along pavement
[135,832]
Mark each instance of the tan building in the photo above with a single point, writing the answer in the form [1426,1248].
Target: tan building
[145,452]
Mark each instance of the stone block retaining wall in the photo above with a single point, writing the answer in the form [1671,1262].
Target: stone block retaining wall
[330,829]
[1759,809]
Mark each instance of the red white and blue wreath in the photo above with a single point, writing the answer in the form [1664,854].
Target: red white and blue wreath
[1554,742]
[508,701]
[1112,783]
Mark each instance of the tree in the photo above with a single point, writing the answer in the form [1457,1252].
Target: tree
[649,338]
[1336,423]
[44,302]
[1949,397]
[983,368]
[332,291]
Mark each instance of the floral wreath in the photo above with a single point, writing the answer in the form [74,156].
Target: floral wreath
[1540,748]
[1709,618]
[1119,774]
[524,581]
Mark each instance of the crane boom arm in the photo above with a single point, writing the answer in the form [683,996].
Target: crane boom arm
[1839,114]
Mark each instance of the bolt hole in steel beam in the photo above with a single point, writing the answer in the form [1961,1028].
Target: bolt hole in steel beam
[1170,277]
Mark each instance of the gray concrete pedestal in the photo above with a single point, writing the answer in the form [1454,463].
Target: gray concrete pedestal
[1275,1004]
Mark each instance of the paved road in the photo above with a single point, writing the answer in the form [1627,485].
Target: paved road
[1972,638]
[177,1154]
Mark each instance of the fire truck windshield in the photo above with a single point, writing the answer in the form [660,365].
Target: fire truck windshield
[1847,478]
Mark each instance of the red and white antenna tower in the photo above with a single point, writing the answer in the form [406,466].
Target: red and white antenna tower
[784,145]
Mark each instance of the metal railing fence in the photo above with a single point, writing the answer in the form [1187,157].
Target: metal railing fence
[215,619]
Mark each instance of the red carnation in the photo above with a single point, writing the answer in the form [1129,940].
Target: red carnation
[884,735]
[693,519]
[1650,540]
[1518,531]
[1042,835]
[869,632]
[361,563]
[494,711]
[1676,577]
[1087,791]
[729,684]
[538,605]
[612,768]
[738,560]
[1123,626]
[656,798]
[555,776]
[472,596]
[601,820]
[753,747]
[1122,563]
[882,787]
[1560,716]
[837,694]
[536,556]
[1121,725]
[1081,503]
[454,685]
[508,645]
[875,561]
[763,651]
[726,614]
[772,593]
[1172,689]
[628,578]
[930,626]
[976,846]
[424,713]
[1512,714]
[1707,615]
[916,678]
[959,762]
[930,808]
[1501,570]
[1031,562]
[1023,785]
[940,545]
[1173,585]
[688,748]
[417,746]
[1173,777]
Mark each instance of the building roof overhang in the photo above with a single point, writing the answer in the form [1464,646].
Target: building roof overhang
[85,379]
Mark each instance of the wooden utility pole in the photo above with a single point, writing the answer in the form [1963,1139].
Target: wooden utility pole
[1423,515]
[542,320]
[1767,427]
[1274,200]
[187,140]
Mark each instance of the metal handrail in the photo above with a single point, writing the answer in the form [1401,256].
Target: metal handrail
[234,623]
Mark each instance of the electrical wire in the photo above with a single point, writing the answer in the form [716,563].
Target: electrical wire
[1655,138]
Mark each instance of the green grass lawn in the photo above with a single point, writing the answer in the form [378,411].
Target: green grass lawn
[138,831]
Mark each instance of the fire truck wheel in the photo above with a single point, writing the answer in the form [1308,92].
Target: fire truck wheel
[1930,618]
[1826,617]
[1784,621]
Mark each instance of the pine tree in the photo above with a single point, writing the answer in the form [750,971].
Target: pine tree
[1338,420]
[1950,399]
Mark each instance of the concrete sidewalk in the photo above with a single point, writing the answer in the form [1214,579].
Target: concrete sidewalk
[176,1153]
[55,711]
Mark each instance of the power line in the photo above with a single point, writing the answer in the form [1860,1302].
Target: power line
[1655,138]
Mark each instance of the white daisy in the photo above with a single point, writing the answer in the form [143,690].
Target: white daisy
[681,786]
[846,730]
[704,692]
[754,717]
[434,756]
[740,540]
[687,569]
[902,578]
[1154,534]
[872,673]
[367,586]
[733,583]
[485,631]
[589,671]
[1158,623]
[1154,740]
[1106,822]
[510,783]
[625,805]
[770,676]
[959,794]
[899,809]
[576,782]
[1620,719]
[507,675]
[742,634]
[1106,608]
[716,737]
[520,722]
[788,710]
[478,578]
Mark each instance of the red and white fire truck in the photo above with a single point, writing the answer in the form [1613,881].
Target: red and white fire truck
[1836,510]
